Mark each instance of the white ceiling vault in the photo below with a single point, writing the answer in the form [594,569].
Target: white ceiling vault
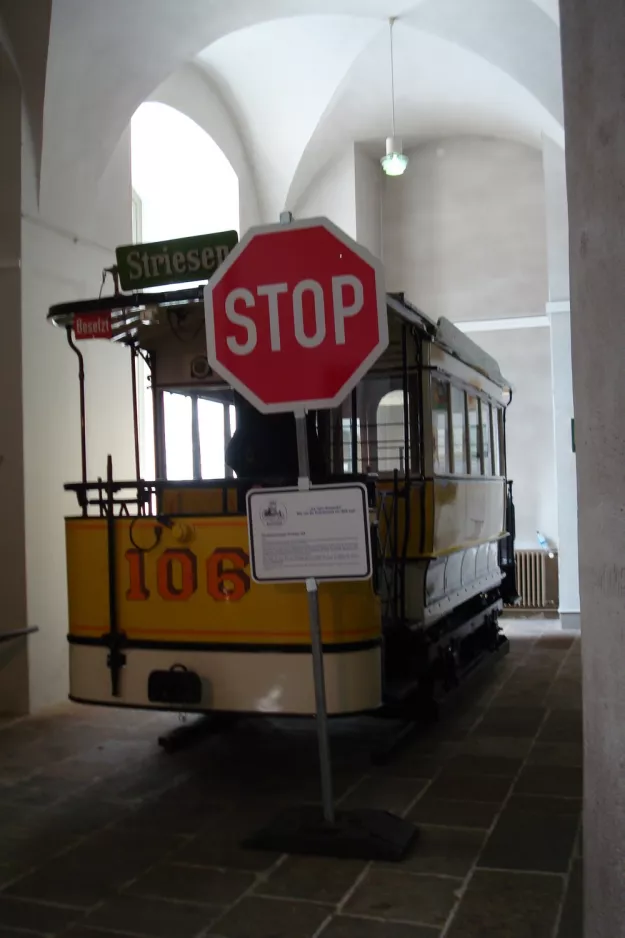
[288,83]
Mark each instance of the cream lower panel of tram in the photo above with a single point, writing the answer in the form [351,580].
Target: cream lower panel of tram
[248,682]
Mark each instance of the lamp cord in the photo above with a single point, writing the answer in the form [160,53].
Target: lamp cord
[391,21]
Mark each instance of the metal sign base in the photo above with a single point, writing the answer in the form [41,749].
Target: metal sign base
[358,835]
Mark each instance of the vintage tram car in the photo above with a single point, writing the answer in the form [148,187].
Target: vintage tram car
[163,611]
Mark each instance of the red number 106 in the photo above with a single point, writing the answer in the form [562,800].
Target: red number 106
[177,574]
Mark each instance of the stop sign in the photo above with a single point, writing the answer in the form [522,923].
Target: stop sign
[296,315]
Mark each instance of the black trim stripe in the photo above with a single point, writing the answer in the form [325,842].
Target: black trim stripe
[206,711]
[254,647]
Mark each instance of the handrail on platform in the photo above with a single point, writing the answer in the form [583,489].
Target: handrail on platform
[17,633]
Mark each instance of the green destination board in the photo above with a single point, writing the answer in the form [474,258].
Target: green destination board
[164,262]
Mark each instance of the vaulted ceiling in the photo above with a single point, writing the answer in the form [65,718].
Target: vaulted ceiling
[286,83]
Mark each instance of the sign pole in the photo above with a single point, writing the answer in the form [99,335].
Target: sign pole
[293,530]
[323,735]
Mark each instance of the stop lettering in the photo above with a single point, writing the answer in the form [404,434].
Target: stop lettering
[296,316]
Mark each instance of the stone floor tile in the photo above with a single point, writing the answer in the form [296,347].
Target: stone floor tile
[347,926]
[109,860]
[450,813]
[21,817]
[544,804]
[385,793]
[219,843]
[315,878]
[192,884]
[572,920]
[559,642]
[556,754]
[412,763]
[564,700]
[453,784]
[407,897]
[80,817]
[511,721]
[34,916]
[10,872]
[14,933]
[518,696]
[443,851]
[40,790]
[178,815]
[81,931]
[23,850]
[259,917]
[515,747]
[55,883]
[557,780]
[474,764]
[530,839]
[154,917]
[507,905]
[117,845]
[562,726]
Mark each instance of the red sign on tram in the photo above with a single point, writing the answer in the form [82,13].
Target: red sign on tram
[93,325]
[296,316]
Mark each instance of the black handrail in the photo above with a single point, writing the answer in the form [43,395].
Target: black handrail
[17,633]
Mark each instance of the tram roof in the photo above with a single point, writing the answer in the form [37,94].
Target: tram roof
[449,337]
[131,312]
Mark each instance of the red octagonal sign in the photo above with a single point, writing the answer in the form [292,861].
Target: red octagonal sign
[296,316]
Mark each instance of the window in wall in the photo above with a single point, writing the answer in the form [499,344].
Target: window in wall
[486,442]
[183,185]
[440,425]
[458,422]
[475,448]
[496,411]
[137,218]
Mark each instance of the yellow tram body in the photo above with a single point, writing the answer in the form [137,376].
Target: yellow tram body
[198,593]
[169,586]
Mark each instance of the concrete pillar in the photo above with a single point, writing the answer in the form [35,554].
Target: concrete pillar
[593,39]
[559,312]
[14,696]
[565,462]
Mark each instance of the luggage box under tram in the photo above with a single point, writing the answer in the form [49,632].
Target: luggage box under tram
[163,611]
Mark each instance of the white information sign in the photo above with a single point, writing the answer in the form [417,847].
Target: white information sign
[322,532]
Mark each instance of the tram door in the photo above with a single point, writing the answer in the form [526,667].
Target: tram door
[198,429]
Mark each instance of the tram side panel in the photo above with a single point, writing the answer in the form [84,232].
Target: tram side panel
[451,550]
[185,597]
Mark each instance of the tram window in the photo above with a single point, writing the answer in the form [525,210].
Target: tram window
[440,425]
[215,434]
[178,436]
[496,441]
[475,449]
[390,434]
[458,422]
[486,442]
[348,465]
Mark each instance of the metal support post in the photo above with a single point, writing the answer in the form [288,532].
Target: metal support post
[323,736]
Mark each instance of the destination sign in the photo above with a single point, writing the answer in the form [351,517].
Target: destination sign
[163,262]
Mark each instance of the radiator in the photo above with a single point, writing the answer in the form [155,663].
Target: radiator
[537,577]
